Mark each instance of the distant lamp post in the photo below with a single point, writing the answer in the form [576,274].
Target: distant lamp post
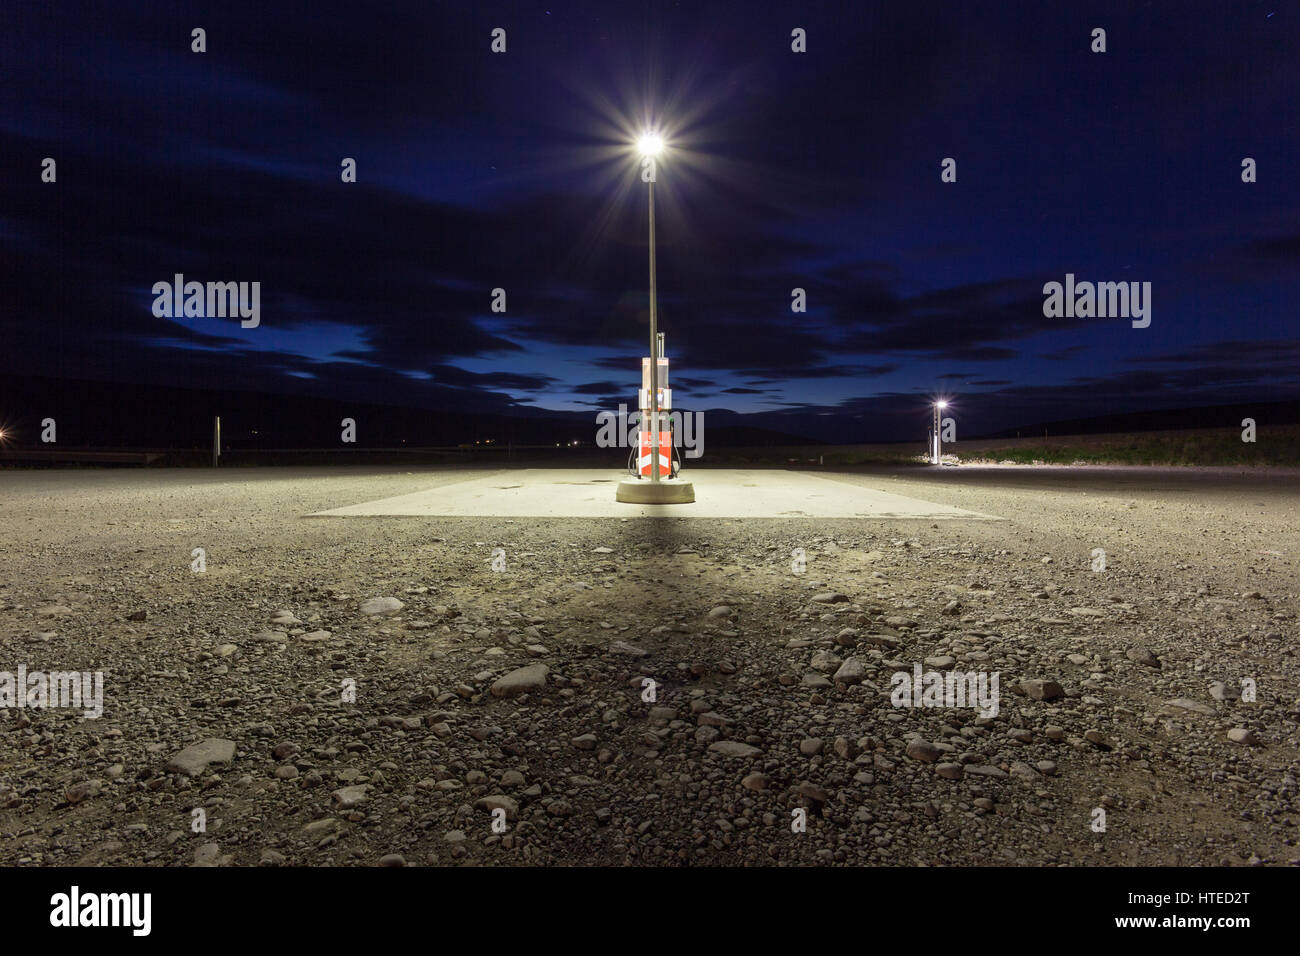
[937,449]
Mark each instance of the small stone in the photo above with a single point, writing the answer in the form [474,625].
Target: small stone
[1144,656]
[1222,692]
[1022,771]
[1243,736]
[922,750]
[1098,739]
[82,791]
[1042,689]
[498,801]
[825,661]
[209,854]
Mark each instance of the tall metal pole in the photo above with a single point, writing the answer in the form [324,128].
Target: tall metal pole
[938,453]
[654,349]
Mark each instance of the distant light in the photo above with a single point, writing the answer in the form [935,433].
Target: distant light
[940,404]
[650,144]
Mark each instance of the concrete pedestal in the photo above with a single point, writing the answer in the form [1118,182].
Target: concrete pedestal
[646,492]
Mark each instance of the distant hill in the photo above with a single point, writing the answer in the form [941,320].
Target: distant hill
[96,414]
[113,415]
[1206,416]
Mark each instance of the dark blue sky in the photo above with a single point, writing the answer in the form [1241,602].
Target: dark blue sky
[818,170]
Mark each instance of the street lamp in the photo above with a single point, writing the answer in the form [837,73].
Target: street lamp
[650,145]
[938,449]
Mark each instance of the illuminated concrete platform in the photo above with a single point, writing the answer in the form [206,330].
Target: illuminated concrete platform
[589,493]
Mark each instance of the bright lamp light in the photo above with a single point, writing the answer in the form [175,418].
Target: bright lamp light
[650,144]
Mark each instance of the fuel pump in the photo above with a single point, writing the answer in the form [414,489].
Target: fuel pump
[656,446]
[655,419]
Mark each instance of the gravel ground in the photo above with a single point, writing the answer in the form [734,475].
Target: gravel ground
[502,712]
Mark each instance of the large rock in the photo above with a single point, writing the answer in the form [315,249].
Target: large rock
[194,760]
[348,797]
[1195,706]
[521,681]
[734,748]
[852,671]
[382,605]
[624,649]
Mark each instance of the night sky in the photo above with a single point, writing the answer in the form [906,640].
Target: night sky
[819,170]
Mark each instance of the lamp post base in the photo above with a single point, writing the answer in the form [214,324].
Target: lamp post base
[635,491]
